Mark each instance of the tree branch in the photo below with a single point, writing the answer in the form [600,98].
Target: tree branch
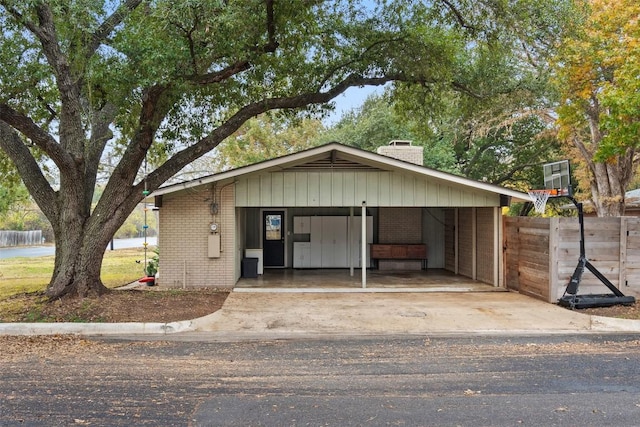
[465,89]
[33,132]
[206,144]
[29,170]
[22,20]
[109,24]
[155,106]
[221,75]
[508,176]
[458,15]
[352,61]
[100,135]
[272,45]
[189,35]
[71,129]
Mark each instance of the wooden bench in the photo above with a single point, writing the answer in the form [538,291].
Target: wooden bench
[400,252]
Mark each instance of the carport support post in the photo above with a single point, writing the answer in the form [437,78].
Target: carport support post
[351,243]
[363,239]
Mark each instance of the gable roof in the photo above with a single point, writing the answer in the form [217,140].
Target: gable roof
[337,156]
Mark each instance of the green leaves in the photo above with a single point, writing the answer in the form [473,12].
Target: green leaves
[266,137]
[378,122]
[598,71]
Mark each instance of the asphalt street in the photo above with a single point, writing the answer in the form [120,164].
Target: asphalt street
[570,380]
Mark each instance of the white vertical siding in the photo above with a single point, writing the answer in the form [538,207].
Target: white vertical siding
[289,196]
[384,189]
[277,190]
[325,189]
[360,188]
[350,188]
[373,188]
[336,189]
[420,198]
[302,190]
[313,189]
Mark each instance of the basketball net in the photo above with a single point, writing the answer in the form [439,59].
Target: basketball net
[539,199]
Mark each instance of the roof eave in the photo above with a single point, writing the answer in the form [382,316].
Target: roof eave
[293,158]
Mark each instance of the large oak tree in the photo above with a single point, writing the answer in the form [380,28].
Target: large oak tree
[598,77]
[170,80]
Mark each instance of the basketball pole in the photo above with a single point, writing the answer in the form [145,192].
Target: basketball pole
[557,183]
[574,282]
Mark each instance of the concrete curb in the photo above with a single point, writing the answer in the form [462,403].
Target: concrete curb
[612,324]
[598,324]
[130,328]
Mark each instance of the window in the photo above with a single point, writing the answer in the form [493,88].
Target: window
[273,227]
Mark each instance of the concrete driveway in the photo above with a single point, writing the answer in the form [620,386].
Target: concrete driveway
[301,314]
[284,314]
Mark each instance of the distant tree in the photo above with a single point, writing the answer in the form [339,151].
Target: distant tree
[598,67]
[510,155]
[497,115]
[266,137]
[12,198]
[376,123]
[369,126]
[134,225]
[11,195]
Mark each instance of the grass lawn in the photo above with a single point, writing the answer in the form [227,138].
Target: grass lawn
[26,275]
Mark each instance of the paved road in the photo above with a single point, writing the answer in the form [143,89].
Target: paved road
[36,251]
[479,381]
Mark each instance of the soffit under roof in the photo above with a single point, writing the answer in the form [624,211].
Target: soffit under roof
[333,160]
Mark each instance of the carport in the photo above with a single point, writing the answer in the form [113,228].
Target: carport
[332,208]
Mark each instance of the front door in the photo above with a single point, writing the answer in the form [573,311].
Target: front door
[273,238]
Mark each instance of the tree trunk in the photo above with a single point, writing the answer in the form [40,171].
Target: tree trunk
[77,275]
[607,190]
[78,261]
[608,179]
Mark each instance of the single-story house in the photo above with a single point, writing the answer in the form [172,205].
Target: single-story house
[326,207]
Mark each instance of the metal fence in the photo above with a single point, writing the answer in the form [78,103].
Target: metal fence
[20,238]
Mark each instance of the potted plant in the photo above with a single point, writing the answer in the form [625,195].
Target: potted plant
[151,269]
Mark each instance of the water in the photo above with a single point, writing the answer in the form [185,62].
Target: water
[36,251]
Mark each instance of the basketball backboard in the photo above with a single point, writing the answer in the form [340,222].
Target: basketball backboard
[557,176]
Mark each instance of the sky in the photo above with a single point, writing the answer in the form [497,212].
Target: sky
[351,99]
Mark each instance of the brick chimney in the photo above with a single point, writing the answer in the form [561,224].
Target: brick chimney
[403,150]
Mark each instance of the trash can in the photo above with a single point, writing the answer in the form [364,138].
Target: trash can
[250,268]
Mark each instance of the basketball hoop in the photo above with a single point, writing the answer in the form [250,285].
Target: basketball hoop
[540,197]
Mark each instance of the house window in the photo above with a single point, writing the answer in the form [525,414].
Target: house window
[273,226]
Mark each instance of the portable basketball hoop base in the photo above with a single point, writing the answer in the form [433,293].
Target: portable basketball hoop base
[557,182]
[571,299]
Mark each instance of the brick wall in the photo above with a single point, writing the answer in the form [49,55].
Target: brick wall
[485,251]
[400,225]
[450,240]
[184,235]
[406,153]
[465,242]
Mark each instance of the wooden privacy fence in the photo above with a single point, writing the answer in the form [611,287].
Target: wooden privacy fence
[541,254]
[20,238]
